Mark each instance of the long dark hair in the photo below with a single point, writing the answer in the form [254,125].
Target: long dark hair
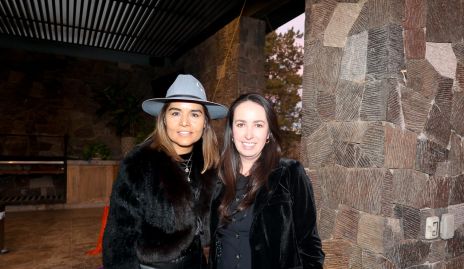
[230,164]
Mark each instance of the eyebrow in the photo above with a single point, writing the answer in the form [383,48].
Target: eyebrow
[178,109]
[256,121]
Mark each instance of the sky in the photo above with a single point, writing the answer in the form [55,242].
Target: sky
[297,24]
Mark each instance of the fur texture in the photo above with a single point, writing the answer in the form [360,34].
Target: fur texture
[153,215]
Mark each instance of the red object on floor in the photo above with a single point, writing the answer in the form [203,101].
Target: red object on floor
[98,248]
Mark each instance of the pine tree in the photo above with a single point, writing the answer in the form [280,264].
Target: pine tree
[284,60]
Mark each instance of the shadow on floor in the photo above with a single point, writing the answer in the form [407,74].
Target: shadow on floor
[51,239]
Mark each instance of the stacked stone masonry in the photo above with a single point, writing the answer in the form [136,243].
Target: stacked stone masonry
[383,129]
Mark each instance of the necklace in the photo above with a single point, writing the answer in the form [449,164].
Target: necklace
[187,166]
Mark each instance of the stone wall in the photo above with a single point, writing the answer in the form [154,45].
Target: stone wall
[45,94]
[383,128]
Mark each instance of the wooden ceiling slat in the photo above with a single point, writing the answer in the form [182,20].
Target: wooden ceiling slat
[208,11]
[158,18]
[142,27]
[62,22]
[80,32]
[173,15]
[10,17]
[112,6]
[33,19]
[3,27]
[68,21]
[48,18]
[127,17]
[136,27]
[6,25]
[55,22]
[34,6]
[186,26]
[98,25]
[193,26]
[61,13]
[22,18]
[74,23]
[162,44]
[25,23]
[93,25]
[43,24]
[115,22]
[44,20]
[206,29]
[86,24]
[133,27]
[164,26]
[145,28]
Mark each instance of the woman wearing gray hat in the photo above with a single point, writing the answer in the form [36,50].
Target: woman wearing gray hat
[160,201]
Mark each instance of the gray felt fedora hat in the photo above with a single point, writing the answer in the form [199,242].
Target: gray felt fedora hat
[185,88]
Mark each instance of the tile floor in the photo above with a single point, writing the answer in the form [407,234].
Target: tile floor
[51,239]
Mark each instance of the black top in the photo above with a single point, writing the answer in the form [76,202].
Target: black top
[234,237]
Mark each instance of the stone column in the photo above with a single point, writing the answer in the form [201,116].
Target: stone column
[383,128]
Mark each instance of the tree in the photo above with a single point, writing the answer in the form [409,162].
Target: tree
[284,59]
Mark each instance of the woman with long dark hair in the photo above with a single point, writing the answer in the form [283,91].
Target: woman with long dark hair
[263,213]
[159,207]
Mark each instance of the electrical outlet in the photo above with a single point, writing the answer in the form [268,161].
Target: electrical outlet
[447,226]
[432,227]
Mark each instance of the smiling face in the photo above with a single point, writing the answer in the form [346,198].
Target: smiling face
[184,125]
[250,130]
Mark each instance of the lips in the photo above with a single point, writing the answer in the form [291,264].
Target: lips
[184,133]
[248,145]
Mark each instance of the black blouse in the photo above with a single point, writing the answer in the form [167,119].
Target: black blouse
[234,237]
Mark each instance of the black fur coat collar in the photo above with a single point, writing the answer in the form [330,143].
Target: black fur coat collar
[154,211]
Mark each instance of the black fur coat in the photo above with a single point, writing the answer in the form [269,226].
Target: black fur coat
[153,216]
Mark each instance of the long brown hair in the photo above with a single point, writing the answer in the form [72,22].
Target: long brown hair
[210,149]
[230,164]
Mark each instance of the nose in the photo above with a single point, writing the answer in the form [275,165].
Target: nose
[249,133]
[184,120]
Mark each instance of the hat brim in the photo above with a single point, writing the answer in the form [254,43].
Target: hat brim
[153,106]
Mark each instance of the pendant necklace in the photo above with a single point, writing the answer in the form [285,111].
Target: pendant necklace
[187,166]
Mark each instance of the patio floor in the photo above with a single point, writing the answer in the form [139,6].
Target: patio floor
[51,239]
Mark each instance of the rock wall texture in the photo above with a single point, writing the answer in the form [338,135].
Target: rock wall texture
[383,129]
